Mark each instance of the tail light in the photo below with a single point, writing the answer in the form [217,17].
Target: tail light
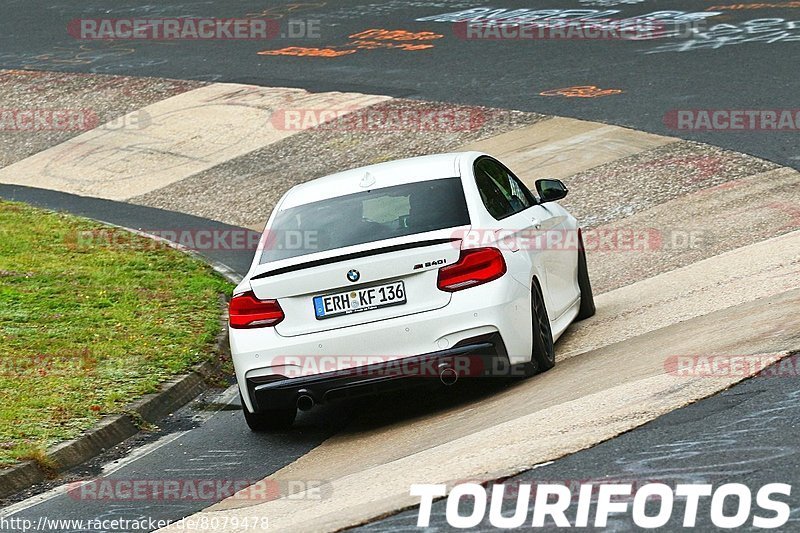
[474,267]
[247,311]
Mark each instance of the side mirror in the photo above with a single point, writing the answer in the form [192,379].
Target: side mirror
[550,190]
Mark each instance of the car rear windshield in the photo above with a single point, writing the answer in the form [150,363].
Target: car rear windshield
[365,217]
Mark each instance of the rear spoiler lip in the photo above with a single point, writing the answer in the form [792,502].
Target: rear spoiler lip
[354,255]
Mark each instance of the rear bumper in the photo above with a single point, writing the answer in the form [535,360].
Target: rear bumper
[483,356]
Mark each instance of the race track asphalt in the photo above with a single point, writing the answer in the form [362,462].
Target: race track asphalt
[748,434]
[729,62]
[756,419]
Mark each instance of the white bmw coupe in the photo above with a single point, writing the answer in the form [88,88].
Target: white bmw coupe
[444,265]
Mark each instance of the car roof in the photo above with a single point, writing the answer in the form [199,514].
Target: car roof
[375,176]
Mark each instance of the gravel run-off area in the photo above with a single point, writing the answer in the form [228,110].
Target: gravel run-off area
[100,98]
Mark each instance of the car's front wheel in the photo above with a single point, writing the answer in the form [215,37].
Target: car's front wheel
[270,419]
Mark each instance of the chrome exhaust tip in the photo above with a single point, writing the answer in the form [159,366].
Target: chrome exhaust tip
[448,375]
[305,401]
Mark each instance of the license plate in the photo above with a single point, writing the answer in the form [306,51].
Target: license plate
[358,300]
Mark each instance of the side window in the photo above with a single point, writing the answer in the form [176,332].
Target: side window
[502,193]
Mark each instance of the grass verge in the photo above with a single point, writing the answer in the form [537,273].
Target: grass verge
[88,324]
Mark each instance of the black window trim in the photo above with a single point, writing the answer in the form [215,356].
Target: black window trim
[458,186]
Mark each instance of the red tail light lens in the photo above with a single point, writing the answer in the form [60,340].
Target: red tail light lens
[247,311]
[474,267]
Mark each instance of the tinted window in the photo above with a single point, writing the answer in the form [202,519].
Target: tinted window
[365,217]
[502,193]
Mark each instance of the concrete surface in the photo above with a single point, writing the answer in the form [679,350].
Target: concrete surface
[184,135]
[560,147]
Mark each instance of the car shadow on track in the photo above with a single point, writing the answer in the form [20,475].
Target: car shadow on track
[365,413]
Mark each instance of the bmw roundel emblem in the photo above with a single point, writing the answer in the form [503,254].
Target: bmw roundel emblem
[353,275]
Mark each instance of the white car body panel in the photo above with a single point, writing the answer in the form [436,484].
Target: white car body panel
[431,319]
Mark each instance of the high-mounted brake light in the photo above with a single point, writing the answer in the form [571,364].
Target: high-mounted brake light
[474,267]
[247,311]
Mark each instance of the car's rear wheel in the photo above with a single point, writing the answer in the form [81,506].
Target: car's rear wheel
[543,353]
[587,307]
[270,419]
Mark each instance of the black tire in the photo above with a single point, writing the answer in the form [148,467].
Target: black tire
[543,353]
[587,308]
[268,420]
